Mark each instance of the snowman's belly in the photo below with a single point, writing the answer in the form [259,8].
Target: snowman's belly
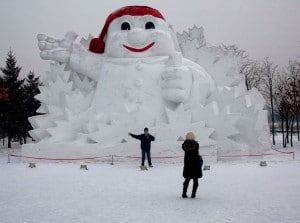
[134,88]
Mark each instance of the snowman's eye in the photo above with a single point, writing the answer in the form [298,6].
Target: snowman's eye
[125,26]
[149,25]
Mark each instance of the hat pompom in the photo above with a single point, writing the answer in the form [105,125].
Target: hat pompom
[97,45]
[190,136]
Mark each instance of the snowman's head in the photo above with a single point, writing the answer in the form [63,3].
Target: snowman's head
[135,31]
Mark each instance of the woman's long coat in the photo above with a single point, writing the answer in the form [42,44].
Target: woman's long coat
[192,160]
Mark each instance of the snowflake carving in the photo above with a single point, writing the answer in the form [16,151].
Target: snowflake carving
[222,121]
[179,123]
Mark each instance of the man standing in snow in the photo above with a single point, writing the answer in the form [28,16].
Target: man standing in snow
[145,139]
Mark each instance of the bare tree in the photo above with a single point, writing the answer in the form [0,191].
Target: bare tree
[292,71]
[252,70]
[280,99]
[269,71]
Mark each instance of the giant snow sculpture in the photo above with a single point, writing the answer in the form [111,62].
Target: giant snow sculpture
[138,73]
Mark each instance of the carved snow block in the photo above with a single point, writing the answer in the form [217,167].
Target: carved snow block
[263,163]
[32,165]
[180,138]
[123,140]
[206,167]
[83,167]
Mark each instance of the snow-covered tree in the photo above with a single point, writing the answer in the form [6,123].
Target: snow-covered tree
[31,89]
[12,109]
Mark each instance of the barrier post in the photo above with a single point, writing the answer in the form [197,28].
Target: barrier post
[8,158]
[293,155]
[112,160]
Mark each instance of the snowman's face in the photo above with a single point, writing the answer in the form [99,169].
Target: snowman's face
[138,36]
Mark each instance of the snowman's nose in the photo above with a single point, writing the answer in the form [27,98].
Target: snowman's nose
[137,37]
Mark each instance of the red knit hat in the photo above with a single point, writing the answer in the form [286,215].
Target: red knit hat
[97,45]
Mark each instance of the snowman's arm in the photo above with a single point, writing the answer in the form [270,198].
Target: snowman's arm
[184,81]
[66,51]
[202,84]
[86,63]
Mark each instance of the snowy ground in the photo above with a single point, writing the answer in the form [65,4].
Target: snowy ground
[239,191]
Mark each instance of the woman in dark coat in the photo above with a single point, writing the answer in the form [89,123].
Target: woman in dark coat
[192,164]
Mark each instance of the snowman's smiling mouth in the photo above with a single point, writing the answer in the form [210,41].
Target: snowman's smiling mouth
[138,50]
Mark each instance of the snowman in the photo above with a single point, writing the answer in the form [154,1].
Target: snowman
[137,65]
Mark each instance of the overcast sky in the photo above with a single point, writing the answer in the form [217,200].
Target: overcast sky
[261,27]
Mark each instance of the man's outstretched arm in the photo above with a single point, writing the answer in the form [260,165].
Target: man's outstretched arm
[135,136]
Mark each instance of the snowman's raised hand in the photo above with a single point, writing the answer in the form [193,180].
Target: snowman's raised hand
[56,49]
[176,81]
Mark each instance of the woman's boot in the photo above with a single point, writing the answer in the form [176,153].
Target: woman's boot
[185,187]
[195,186]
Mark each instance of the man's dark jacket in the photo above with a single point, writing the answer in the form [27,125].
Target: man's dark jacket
[145,140]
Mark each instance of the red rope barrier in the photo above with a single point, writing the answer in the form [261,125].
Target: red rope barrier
[264,154]
[58,159]
[154,157]
[287,152]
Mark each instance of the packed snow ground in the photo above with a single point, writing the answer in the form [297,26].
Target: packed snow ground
[239,191]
